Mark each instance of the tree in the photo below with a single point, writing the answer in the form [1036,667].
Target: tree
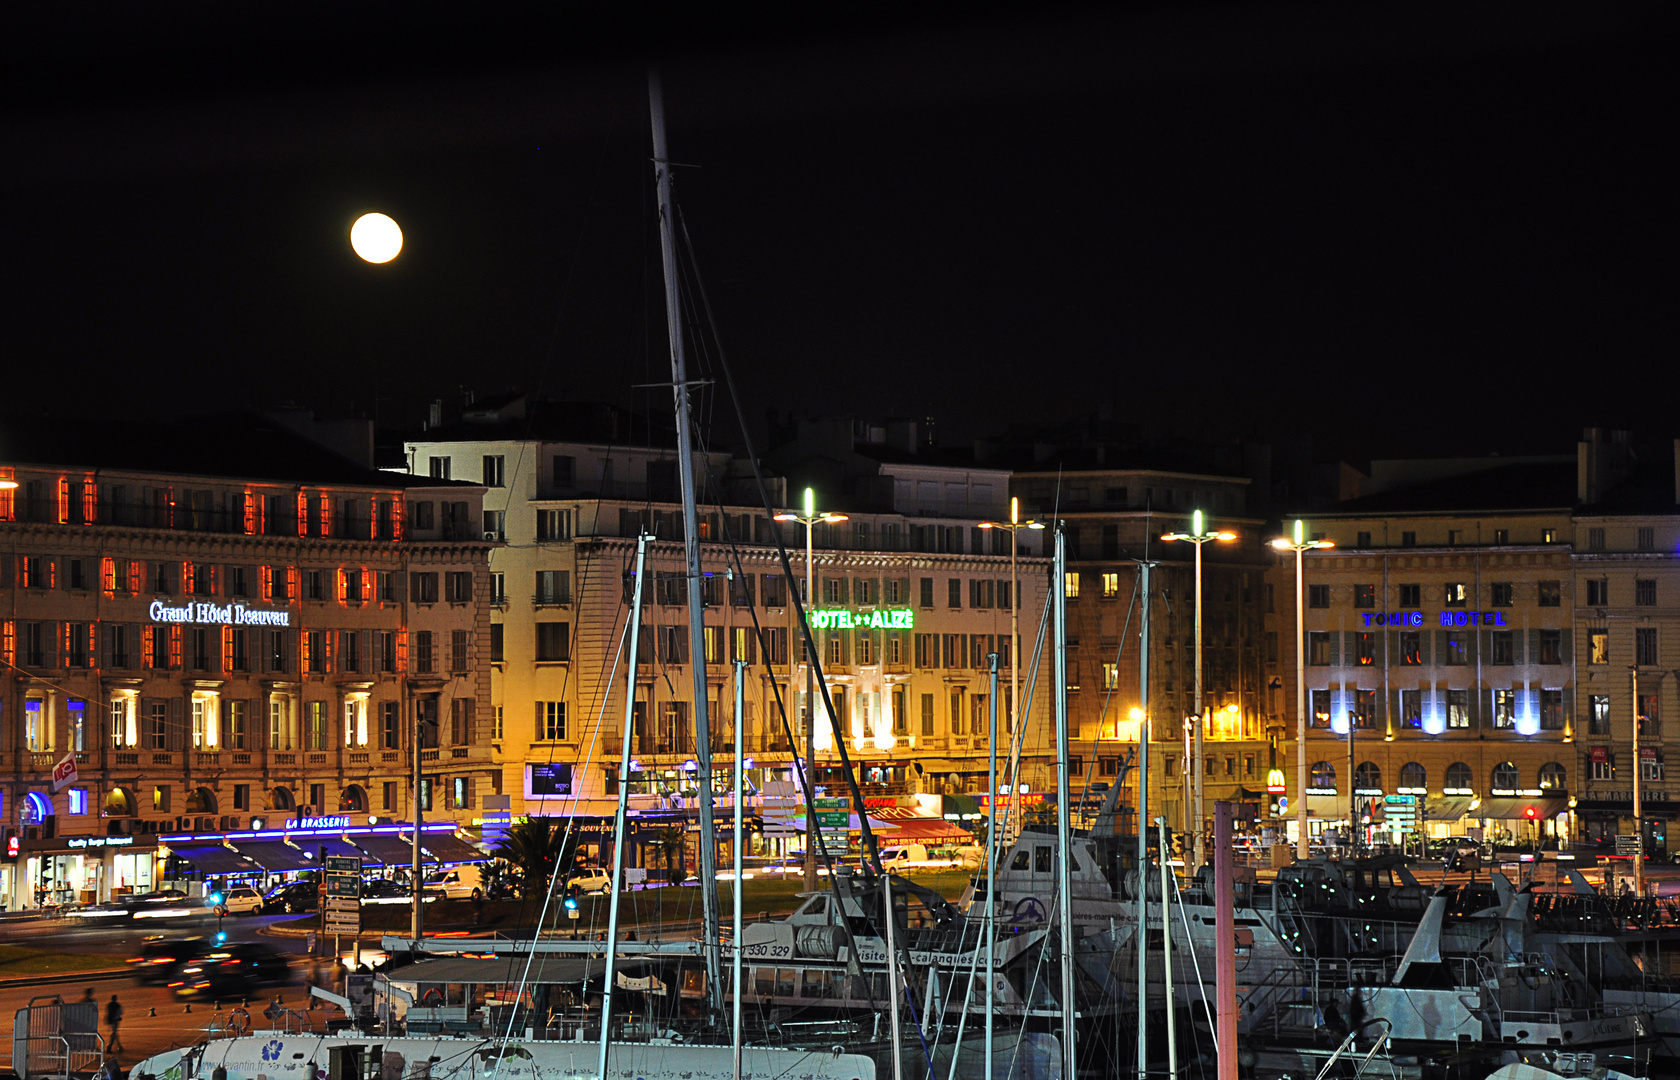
[672,844]
[540,847]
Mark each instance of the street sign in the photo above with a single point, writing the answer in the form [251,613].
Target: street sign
[339,864]
[343,903]
[1627,844]
[344,885]
[338,922]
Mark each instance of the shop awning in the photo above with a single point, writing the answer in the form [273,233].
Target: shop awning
[391,849]
[218,861]
[446,848]
[1543,807]
[940,766]
[275,856]
[1447,807]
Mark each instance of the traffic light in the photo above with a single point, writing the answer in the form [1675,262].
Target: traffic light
[221,937]
[572,898]
[1530,813]
[215,899]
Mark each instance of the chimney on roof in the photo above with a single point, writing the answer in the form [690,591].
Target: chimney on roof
[1601,463]
[434,414]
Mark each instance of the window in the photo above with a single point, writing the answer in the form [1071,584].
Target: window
[388,795]
[460,792]
[235,715]
[1457,594]
[1650,763]
[1411,596]
[1598,714]
[1506,777]
[1408,539]
[315,725]
[1598,592]
[1457,649]
[1111,676]
[1413,775]
[390,725]
[1271,599]
[1323,776]
[1364,712]
[458,650]
[1645,592]
[1501,537]
[956,711]
[1365,597]
[554,642]
[1551,710]
[1647,538]
[496,730]
[1459,777]
[1318,596]
[1318,648]
[461,721]
[926,589]
[458,587]
[423,588]
[1595,539]
[1551,646]
[1110,585]
[1598,647]
[1411,647]
[1364,648]
[1362,539]
[1320,708]
[1504,709]
[1411,709]
[1272,647]
[1501,594]
[1458,708]
[1601,767]
[423,657]
[565,470]
[553,587]
[927,715]
[1070,585]
[1551,593]
[1645,646]
[494,470]
[1503,652]
[554,524]
[439,468]
[1553,777]
[980,593]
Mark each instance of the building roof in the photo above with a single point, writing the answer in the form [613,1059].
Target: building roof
[1523,486]
[232,445]
[592,422]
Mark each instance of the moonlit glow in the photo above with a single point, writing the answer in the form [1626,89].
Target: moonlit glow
[376,238]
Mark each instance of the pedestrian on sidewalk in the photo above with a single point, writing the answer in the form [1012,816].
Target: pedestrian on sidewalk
[113,1018]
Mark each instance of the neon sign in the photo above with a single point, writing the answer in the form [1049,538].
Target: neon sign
[879,619]
[217,615]
[1448,618]
[335,821]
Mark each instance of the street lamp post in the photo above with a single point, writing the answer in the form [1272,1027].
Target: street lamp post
[1012,720]
[1198,535]
[1299,544]
[809,518]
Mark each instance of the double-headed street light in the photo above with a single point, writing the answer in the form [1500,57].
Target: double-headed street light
[809,518]
[1298,543]
[1010,719]
[1199,534]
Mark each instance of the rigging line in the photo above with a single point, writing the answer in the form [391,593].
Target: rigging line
[1190,944]
[870,848]
[554,881]
[1019,735]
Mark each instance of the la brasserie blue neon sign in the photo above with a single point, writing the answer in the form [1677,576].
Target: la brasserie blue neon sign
[879,619]
[1448,618]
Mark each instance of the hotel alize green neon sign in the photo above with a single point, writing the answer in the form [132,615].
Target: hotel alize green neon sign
[878,619]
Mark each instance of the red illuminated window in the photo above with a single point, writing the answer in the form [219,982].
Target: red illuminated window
[227,648]
[175,646]
[343,586]
[302,514]
[396,519]
[148,648]
[8,641]
[402,649]
[8,505]
[251,503]
[108,574]
[325,502]
[136,576]
[63,499]
[189,578]
[90,501]
[291,582]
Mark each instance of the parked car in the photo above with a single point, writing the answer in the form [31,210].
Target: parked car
[292,898]
[590,879]
[241,900]
[230,970]
[457,883]
[161,958]
[385,891]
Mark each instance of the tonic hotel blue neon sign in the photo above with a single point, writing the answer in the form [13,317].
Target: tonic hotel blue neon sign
[1449,619]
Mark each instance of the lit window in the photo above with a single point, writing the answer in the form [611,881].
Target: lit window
[1070,585]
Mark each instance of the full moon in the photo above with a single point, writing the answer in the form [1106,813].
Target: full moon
[376,238]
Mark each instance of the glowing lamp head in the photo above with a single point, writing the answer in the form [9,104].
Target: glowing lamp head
[1281,543]
[376,238]
[1014,510]
[884,739]
[1196,523]
[1300,530]
[810,503]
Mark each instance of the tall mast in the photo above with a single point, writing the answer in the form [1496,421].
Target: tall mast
[634,628]
[1064,830]
[1143,834]
[691,544]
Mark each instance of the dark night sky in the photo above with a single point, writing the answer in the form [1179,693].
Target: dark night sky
[1403,229]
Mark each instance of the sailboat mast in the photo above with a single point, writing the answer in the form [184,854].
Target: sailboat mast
[634,628]
[691,542]
[736,990]
[1143,833]
[1064,825]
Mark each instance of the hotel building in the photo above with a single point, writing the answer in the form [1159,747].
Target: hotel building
[221,626]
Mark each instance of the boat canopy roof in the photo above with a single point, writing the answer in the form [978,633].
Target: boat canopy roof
[546,969]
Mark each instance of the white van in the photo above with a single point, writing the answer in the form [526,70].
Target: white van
[457,883]
[918,857]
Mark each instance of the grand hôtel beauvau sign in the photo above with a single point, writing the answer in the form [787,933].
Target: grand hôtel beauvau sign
[203,614]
